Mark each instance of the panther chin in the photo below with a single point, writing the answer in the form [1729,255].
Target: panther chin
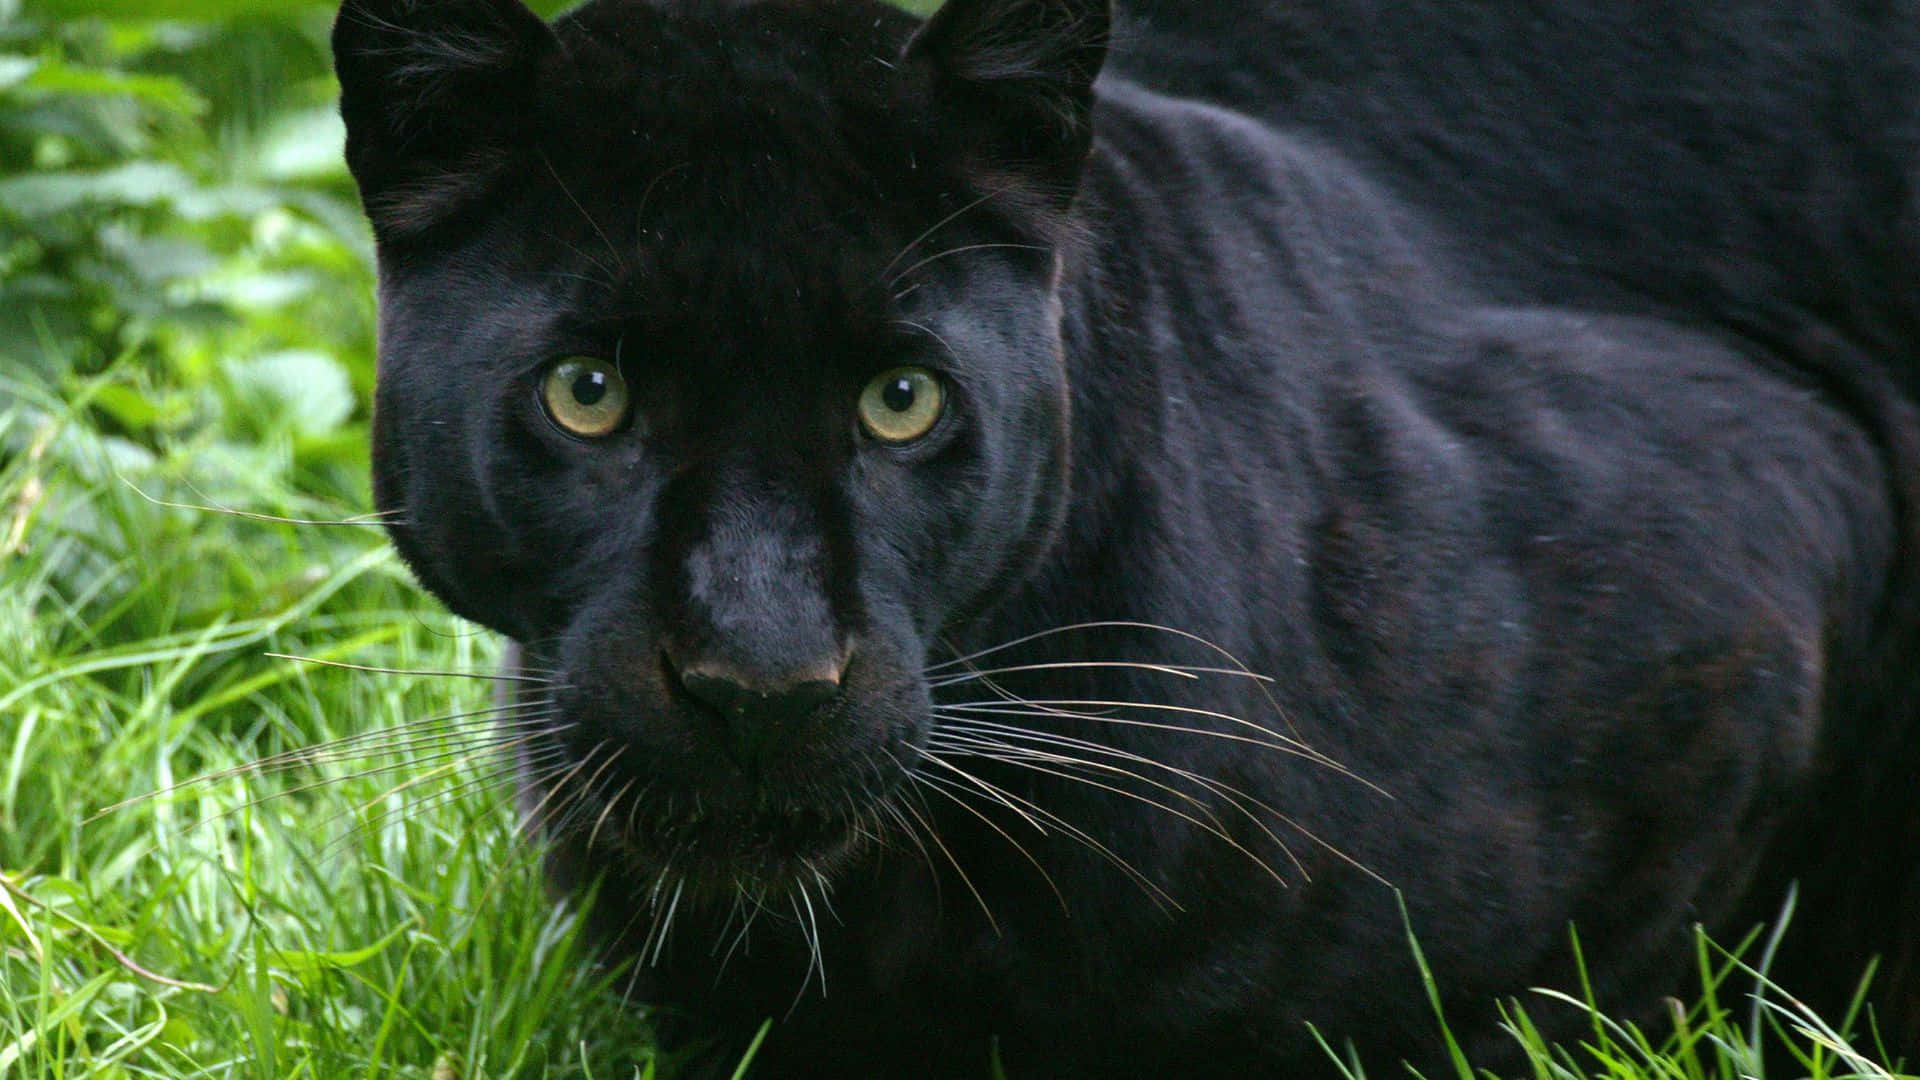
[719,839]
[764,850]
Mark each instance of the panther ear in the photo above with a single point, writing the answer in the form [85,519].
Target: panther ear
[1017,77]
[436,95]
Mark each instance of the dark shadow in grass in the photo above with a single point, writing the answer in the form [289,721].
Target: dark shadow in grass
[1711,1040]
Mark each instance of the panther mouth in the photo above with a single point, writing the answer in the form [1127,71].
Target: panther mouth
[730,848]
[653,781]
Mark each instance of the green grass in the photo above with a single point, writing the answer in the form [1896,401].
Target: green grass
[371,915]
[185,320]
[1741,1023]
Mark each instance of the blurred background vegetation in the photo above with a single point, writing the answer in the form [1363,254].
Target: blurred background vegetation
[177,237]
[175,216]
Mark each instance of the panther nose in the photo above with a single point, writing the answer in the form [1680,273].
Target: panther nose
[756,710]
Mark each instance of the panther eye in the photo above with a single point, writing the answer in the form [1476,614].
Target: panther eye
[901,404]
[585,396]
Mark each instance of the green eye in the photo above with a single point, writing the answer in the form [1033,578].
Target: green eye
[585,396]
[901,404]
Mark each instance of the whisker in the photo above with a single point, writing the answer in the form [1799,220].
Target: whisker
[1159,896]
[997,795]
[362,774]
[1233,795]
[377,517]
[608,280]
[373,822]
[1286,744]
[650,908]
[396,740]
[498,741]
[605,283]
[956,251]
[666,922]
[594,836]
[826,894]
[618,259]
[548,758]
[887,270]
[1067,708]
[447,764]
[939,789]
[488,676]
[1059,708]
[532,820]
[968,736]
[817,958]
[1026,761]
[750,907]
[363,744]
[1098,624]
[406,744]
[955,863]
[1050,712]
[994,735]
[1189,671]
[1219,650]
[929,331]
[584,791]
[891,812]
[646,196]
[736,908]
[529,769]
[552,674]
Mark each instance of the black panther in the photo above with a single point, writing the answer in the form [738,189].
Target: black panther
[1036,531]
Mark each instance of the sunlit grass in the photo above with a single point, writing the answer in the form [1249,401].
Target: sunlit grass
[1740,1025]
[368,916]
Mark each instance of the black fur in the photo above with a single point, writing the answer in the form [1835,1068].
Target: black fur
[1526,391]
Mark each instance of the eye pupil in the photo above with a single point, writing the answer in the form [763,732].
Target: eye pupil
[898,395]
[585,396]
[900,405]
[590,387]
